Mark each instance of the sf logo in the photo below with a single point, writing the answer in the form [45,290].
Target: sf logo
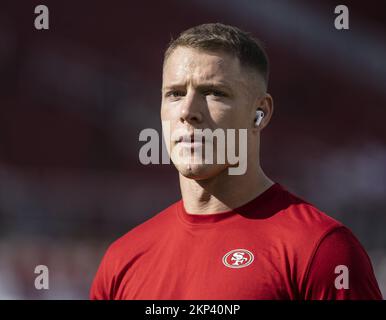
[238,257]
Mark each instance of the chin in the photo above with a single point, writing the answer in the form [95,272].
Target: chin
[200,171]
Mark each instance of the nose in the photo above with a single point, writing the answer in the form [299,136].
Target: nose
[191,109]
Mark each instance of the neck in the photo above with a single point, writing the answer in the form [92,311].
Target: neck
[223,192]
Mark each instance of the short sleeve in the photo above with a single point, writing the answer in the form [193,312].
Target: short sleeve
[100,288]
[340,269]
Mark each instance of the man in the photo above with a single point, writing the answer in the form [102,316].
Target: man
[231,236]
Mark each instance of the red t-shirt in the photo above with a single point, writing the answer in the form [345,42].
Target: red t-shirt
[277,246]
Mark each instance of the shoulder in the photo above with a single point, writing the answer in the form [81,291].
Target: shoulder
[144,234]
[126,250]
[302,217]
[321,245]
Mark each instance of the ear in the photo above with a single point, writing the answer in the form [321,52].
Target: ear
[264,104]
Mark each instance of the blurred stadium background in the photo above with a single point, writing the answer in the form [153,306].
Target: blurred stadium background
[73,100]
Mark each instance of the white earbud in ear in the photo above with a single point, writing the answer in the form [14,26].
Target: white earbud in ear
[259,117]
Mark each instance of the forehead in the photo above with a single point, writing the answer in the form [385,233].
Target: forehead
[190,64]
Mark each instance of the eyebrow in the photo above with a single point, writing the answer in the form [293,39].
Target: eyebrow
[202,86]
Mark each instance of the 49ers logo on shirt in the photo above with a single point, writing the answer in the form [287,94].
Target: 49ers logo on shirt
[238,258]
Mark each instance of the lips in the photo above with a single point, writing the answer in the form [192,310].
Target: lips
[187,137]
[192,138]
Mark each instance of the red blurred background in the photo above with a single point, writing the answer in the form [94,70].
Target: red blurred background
[74,98]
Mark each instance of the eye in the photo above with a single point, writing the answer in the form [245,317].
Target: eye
[174,94]
[216,93]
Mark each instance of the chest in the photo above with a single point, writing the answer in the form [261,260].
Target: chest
[229,267]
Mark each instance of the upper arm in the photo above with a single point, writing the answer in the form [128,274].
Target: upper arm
[323,276]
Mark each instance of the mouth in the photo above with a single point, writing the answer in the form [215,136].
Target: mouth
[189,139]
